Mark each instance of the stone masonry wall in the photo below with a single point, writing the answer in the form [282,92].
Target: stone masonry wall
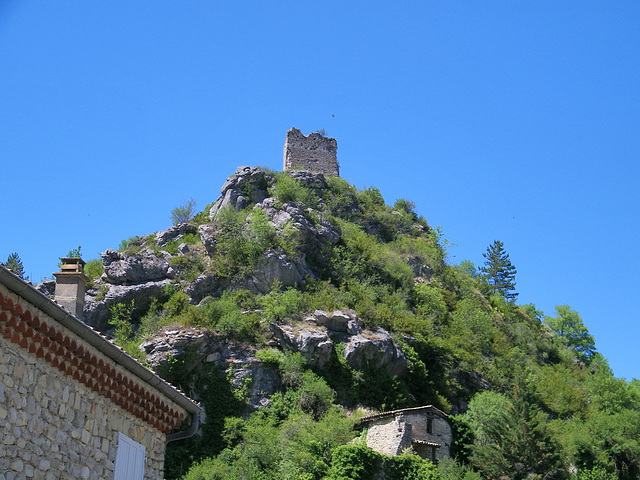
[54,427]
[314,153]
[391,435]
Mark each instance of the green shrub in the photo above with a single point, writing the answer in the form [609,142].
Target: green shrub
[281,305]
[288,189]
[183,213]
[354,462]
[94,268]
[409,467]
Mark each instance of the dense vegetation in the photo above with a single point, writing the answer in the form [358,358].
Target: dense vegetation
[528,394]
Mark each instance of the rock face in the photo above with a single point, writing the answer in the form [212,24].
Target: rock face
[316,340]
[206,348]
[121,268]
[96,307]
[247,186]
[313,343]
[174,233]
[377,347]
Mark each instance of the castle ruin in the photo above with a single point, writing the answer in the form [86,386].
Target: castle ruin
[313,153]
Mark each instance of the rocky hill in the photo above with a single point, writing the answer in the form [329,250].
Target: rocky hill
[294,304]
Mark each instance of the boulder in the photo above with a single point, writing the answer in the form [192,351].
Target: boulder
[314,344]
[208,232]
[200,347]
[247,186]
[338,321]
[377,347]
[275,266]
[174,233]
[121,268]
[96,307]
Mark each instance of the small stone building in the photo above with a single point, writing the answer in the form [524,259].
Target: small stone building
[424,429]
[313,153]
[72,404]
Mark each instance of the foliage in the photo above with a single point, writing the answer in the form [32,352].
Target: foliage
[498,272]
[120,318]
[14,264]
[75,252]
[183,213]
[94,268]
[511,437]
[354,462]
[568,327]
[288,189]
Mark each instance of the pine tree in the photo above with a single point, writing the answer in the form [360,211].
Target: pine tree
[14,264]
[498,272]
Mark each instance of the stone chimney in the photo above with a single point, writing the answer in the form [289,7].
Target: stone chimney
[70,285]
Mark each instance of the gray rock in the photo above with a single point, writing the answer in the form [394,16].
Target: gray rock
[205,285]
[377,347]
[47,287]
[235,360]
[208,232]
[96,310]
[339,322]
[247,186]
[313,343]
[174,233]
[276,266]
[121,268]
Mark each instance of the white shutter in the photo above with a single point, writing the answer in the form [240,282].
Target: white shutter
[130,459]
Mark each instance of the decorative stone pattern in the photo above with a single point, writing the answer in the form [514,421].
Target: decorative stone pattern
[313,153]
[62,402]
[425,429]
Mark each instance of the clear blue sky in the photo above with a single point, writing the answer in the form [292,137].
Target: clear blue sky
[517,121]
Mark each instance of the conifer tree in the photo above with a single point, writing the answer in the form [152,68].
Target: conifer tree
[498,272]
[14,264]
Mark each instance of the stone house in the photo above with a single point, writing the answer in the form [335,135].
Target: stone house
[73,404]
[424,429]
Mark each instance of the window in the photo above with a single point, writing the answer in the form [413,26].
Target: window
[429,425]
[130,459]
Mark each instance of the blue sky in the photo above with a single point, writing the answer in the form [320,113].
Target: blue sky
[516,121]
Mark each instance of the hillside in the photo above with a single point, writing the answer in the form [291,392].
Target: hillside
[295,304]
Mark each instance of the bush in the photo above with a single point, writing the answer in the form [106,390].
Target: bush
[183,213]
[354,462]
[94,268]
[288,189]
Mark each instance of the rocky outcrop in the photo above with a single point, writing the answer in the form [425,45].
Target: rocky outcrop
[313,343]
[200,347]
[174,233]
[247,186]
[276,266]
[316,340]
[99,300]
[208,232]
[121,268]
[375,347]
[313,234]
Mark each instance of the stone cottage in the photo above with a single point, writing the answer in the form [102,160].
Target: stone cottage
[73,404]
[424,429]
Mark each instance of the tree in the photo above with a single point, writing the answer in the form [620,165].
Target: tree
[14,264]
[568,327]
[498,272]
[183,213]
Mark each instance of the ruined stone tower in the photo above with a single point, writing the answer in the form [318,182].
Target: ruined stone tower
[313,153]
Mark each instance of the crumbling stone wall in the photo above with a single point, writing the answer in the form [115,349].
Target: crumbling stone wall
[314,153]
[393,434]
[55,427]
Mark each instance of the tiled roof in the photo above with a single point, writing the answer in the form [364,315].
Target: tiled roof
[112,372]
[393,413]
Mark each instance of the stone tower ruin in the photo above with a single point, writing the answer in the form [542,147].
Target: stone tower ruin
[313,153]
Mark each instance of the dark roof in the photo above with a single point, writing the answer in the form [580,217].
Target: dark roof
[393,413]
